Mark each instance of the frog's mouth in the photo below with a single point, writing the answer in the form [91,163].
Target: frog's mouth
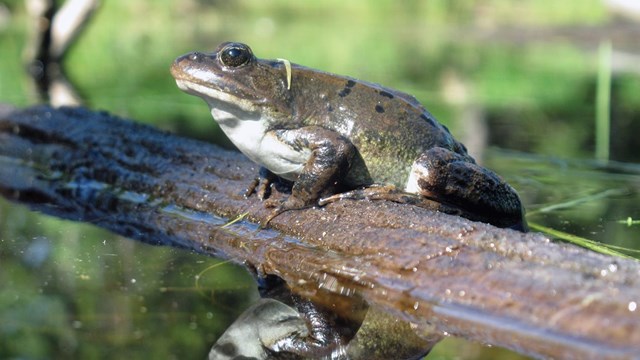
[217,99]
[227,109]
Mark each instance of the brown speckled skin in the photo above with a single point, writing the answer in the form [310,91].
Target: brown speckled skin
[389,130]
[388,141]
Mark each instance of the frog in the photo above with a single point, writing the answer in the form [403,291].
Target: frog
[330,134]
[334,137]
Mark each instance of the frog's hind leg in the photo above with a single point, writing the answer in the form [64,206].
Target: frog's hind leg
[454,179]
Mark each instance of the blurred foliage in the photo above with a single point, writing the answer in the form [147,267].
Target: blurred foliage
[529,66]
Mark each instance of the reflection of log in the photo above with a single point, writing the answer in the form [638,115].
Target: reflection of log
[491,285]
[53,31]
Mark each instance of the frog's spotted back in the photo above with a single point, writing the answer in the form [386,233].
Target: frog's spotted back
[328,132]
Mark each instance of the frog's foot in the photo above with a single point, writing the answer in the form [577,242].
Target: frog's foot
[261,185]
[391,193]
[372,192]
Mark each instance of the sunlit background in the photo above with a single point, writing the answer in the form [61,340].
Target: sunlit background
[516,81]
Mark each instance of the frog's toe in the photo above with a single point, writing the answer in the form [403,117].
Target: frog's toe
[371,192]
[271,216]
[252,187]
[279,206]
[261,185]
[273,203]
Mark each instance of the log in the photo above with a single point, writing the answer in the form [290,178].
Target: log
[463,278]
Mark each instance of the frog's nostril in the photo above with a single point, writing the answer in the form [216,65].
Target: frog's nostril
[195,56]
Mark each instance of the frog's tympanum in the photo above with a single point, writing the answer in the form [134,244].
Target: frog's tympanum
[330,134]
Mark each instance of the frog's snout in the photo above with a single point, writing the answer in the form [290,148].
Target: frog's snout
[186,63]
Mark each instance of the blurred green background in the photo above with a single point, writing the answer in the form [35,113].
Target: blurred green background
[514,80]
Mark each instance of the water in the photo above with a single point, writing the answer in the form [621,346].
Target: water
[515,83]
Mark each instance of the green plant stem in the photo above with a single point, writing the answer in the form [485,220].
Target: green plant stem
[603,102]
[580,241]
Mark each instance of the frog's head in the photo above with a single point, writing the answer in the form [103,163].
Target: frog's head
[235,83]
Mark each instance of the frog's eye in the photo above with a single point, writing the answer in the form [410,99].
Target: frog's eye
[235,55]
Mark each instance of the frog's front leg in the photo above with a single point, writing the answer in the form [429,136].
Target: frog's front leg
[316,161]
[283,325]
[452,178]
[257,330]
[271,329]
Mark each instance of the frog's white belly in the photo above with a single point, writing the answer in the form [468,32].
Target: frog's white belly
[246,126]
[250,136]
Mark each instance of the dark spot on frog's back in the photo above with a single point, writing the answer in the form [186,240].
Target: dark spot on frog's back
[347,88]
[428,119]
[379,108]
[386,94]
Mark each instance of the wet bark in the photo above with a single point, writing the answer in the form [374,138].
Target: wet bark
[495,286]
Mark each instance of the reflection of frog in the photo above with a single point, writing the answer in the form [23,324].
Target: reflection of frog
[328,133]
[271,329]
